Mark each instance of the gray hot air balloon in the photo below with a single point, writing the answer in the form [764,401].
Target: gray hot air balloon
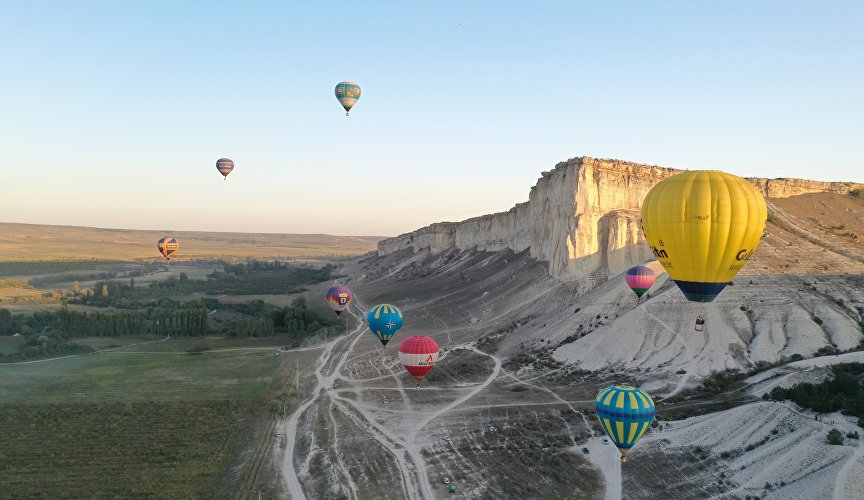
[224,166]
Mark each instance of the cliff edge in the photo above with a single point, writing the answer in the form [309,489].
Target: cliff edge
[581,216]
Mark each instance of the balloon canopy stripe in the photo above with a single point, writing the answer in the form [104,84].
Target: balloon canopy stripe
[624,413]
[703,226]
[384,321]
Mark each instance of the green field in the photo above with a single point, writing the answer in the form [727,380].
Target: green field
[141,450]
[120,377]
[9,344]
[147,420]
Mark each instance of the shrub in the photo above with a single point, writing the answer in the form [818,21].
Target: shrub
[835,437]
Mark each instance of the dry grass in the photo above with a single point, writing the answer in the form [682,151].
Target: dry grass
[41,242]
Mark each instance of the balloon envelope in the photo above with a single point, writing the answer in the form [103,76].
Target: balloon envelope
[168,246]
[625,413]
[224,166]
[639,279]
[702,226]
[338,298]
[418,355]
[348,93]
[384,321]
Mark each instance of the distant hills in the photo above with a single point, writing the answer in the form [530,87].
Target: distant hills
[46,242]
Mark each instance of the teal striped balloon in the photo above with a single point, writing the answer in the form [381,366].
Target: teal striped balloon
[625,413]
[347,93]
[384,321]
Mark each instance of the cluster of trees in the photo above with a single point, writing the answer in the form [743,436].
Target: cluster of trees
[253,327]
[254,266]
[26,324]
[842,393]
[114,292]
[251,277]
[285,279]
[297,320]
[46,344]
[183,322]
[101,324]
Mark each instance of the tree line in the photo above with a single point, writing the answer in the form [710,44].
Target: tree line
[842,393]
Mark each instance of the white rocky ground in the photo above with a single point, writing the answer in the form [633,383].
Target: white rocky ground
[509,408]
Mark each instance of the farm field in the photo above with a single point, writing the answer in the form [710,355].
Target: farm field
[148,417]
[166,375]
[154,449]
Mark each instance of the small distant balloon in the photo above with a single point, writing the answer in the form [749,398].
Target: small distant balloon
[639,279]
[225,166]
[348,93]
[384,321]
[168,246]
[418,354]
[338,298]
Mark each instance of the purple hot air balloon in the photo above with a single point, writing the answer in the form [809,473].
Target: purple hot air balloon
[338,298]
[639,279]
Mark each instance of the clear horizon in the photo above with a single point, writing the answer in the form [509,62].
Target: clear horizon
[115,114]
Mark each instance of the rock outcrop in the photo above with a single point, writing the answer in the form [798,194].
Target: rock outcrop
[582,216]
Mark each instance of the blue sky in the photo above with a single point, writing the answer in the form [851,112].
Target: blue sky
[114,113]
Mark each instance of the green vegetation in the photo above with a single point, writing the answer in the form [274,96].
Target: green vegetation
[253,327]
[842,393]
[53,279]
[252,278]
[149,450]
[250,281]
[835,437]
[173,374]
[857,193]
[44,345]
[46,267]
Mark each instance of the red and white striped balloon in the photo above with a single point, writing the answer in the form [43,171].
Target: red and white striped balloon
[418,355]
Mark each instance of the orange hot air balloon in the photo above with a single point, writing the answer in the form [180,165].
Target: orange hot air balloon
[168,246]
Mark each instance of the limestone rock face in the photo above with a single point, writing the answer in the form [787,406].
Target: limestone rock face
[581,217]
[784,188]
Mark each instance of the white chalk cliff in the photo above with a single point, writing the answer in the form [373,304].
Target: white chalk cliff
[580,217]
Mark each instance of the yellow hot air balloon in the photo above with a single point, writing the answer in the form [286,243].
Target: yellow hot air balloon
[702,226]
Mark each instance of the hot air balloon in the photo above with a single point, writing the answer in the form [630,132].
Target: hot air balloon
[347,93]
[625,413]
[338,298]
[224,166]
[168,246]
[384,321]
[703,226]
[418,355]
[639,279]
